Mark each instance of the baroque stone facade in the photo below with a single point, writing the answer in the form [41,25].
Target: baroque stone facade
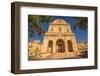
[59,42]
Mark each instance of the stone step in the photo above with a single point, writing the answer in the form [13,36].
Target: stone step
[62,55]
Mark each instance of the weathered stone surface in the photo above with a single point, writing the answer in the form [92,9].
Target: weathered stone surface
[59,42]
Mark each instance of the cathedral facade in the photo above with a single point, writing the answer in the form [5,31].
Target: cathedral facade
[59,38]
[59,42]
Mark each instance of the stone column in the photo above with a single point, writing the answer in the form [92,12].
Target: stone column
[74,44]
[66,46]
[54,46]
[45,45]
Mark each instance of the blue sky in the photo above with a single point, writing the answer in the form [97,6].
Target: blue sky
[81,35]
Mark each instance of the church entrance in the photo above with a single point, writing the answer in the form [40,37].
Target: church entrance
[60,46]
[50,46]
[70,47]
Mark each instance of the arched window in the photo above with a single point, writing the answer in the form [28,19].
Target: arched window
[60,45]
[51,29]
[50,46]
[67,30]
[60,28]
[70,46]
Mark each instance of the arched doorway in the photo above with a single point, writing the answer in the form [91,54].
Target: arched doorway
[60,45]
[70,46]
[50,46]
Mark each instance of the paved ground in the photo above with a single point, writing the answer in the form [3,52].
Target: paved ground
[53,56]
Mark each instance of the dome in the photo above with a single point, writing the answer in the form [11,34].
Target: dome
[59,25]
[59,22]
